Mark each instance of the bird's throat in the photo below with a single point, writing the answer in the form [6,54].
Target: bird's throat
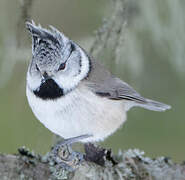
[49,90]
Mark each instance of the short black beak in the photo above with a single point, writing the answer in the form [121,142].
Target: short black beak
[45,77]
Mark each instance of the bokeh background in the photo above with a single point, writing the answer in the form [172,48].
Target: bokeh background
[152,62]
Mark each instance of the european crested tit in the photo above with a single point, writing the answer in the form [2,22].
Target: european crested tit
[74,95]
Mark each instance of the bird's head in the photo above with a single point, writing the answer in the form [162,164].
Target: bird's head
[55,58]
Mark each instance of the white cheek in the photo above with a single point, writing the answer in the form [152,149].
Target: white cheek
[69,82]
[33,82]
[66,83]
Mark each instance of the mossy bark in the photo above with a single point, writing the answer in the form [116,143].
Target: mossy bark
[131,165]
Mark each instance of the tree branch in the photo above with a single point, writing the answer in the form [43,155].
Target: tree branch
[131,164]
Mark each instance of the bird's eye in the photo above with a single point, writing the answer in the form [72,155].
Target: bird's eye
[62,66]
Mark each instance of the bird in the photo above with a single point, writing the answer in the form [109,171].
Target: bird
[72,94]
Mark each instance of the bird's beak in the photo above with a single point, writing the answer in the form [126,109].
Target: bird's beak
[45,77]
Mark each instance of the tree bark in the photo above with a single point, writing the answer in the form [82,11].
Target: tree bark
[131,164]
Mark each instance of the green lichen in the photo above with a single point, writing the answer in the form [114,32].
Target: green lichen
[29,157]
[59,174]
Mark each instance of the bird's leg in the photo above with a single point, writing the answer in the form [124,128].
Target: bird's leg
[64,155]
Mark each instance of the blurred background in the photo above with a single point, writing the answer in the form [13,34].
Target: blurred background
[151,61]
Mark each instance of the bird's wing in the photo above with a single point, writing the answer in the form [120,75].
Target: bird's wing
[104,84]
[115,88]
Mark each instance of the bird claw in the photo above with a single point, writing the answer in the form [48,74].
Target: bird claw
[72,163]
[65,157]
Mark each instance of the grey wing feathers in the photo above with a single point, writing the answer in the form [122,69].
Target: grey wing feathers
[154,105]
[114,88]
[104,84]
[118,89]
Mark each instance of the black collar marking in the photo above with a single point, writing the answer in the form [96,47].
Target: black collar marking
[49,90]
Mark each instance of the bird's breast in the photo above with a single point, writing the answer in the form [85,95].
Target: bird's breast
[79,112]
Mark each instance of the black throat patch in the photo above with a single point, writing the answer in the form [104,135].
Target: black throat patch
[49,90]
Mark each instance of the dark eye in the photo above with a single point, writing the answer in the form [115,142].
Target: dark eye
[62,66]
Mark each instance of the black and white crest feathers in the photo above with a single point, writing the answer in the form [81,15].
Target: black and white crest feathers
[40,34]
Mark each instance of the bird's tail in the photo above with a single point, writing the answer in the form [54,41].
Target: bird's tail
[154,105]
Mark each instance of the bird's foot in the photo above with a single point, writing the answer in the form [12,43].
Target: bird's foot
[65,157]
